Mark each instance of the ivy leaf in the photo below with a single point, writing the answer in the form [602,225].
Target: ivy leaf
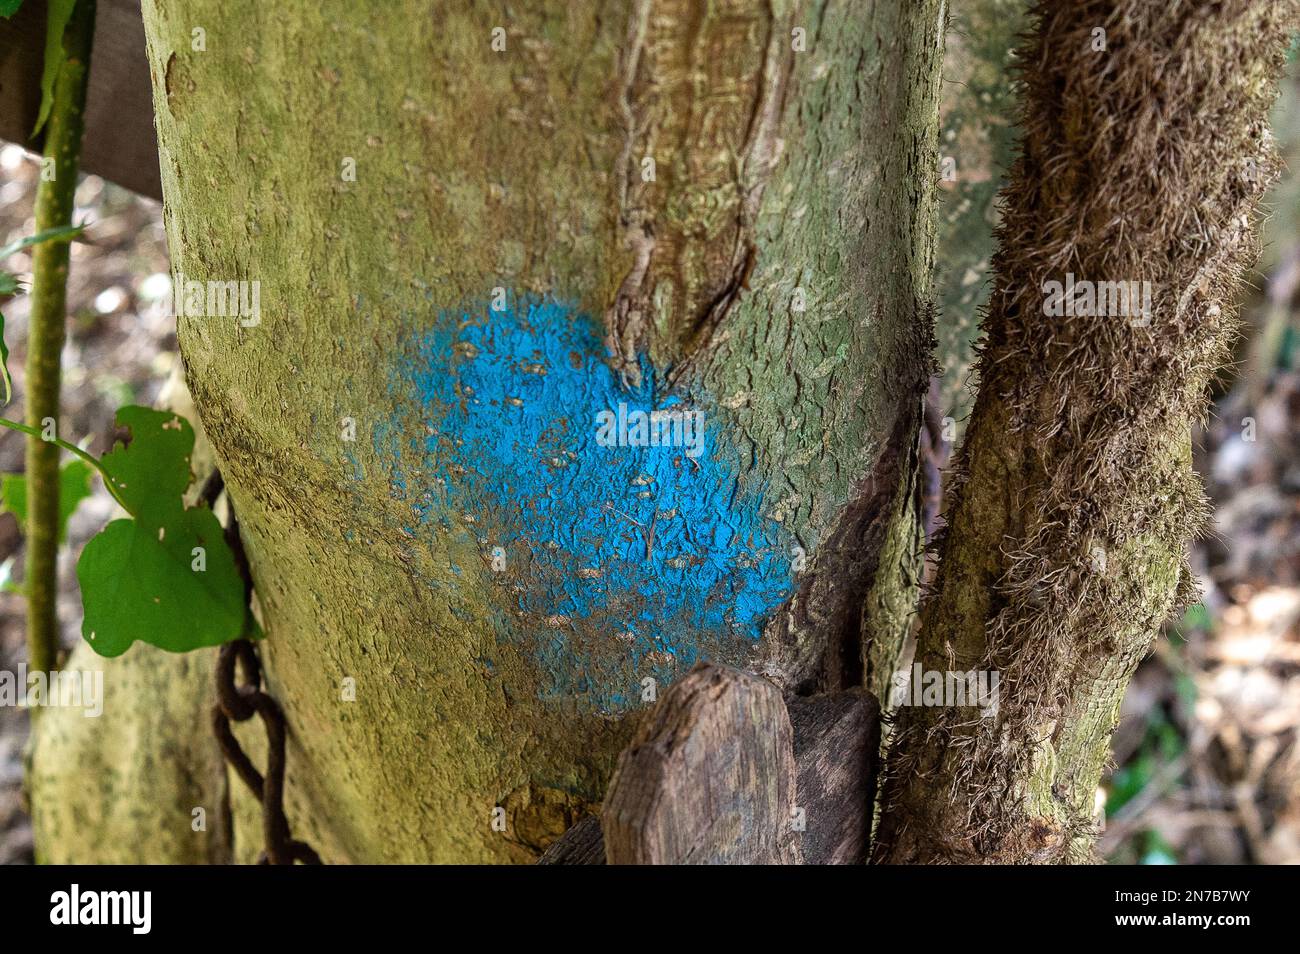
[9,7]
[59,13]
[74,487]
[165,577]
[138,583]
[152,472]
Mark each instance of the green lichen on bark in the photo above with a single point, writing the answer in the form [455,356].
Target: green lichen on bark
[889,610]
[1144,158]
[828,398]
[122,788]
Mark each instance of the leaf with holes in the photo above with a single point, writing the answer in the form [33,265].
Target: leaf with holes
[152,472]
[165,577]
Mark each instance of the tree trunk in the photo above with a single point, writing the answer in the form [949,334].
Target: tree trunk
[465,256]
[1143,160]
[976,141]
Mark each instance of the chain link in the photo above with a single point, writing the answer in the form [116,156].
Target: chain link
[240,702]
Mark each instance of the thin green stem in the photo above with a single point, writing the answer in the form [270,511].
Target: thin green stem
[54,205]
[90,459]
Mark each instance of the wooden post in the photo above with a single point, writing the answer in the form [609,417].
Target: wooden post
[120,143]
[836,750]
[706,780]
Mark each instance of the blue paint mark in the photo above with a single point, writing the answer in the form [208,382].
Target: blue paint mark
[612,554]
[358,472]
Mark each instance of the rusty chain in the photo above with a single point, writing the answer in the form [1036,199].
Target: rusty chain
[239,703]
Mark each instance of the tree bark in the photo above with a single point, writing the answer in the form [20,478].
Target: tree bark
[1075,499]
[427,518]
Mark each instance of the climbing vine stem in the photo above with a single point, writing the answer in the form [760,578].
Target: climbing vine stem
[72,449]
[54,206]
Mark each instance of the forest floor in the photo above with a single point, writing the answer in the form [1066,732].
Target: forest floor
[1208,752]
[1207,756]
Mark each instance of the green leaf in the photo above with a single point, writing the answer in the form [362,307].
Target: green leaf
[138,583]
[60,12]
[9,7]
[167,576]
[74,487]
[153,471]
[60,233]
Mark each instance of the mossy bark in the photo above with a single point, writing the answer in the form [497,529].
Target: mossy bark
[1145,152]
[775,269]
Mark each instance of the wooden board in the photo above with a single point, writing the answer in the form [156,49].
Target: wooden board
[836,748]
[723,721]
[708,779]
[120,143]
[583,844]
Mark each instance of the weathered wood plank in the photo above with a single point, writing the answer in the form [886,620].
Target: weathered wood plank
[836,741]
[836,748]
[708,779]
[583,844]
[120,143]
